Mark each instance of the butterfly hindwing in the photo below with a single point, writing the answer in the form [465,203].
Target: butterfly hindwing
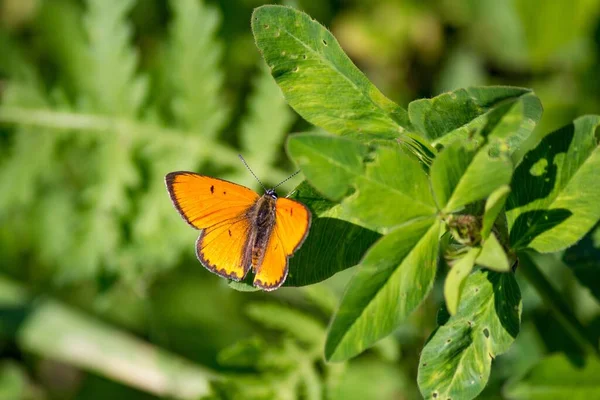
[292,222]
[274,267]
[204,201]
[221,247]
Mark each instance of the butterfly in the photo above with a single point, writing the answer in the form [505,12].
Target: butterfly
[240,229]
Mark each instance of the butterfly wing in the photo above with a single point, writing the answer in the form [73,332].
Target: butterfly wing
[219,208]
[292,223]
[204,201]
[221,247]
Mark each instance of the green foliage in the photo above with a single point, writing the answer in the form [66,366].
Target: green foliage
[109,213]
[480,134]
[444,204]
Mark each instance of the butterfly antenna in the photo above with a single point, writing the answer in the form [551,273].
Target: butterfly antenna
[252,172]
[286,179]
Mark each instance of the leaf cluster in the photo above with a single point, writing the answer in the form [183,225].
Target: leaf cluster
[454,176]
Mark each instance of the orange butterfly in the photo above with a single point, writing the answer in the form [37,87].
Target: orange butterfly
[240,229]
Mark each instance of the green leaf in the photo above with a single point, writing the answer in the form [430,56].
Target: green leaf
[386,176]
[511,113]
[395,276]
[460,176]
[314,261]
[492,255]
[555,194]
[397,184]
[319,80]
[493,206]
[329,163]
[557,377]
[455,280]
[584,260]
[455,363]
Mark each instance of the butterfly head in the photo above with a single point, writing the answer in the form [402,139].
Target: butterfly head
[271,193]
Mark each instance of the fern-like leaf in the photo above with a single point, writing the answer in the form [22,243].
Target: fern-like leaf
[113,87]
[193,68]
[265,124]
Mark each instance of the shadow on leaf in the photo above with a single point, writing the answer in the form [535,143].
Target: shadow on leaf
[531,224]
[536,176]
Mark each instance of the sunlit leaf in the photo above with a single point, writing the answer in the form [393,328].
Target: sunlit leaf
[388,177]
[319,80]
[554,201]
[492,255]
[455,281]
[329,163]
[455,363]
[506,113]
[460,176]
[493,206]
[393,279]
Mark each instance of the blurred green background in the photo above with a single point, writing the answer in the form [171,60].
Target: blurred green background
[100,293]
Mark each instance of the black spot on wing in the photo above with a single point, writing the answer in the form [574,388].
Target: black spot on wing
[212,189]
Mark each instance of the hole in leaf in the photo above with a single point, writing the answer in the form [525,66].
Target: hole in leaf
[476,289]
[325,42]
[435,395]
[304,56]
[486,332]
[283,53]
[266,26]
[424,364]
[449,340]
[296,69]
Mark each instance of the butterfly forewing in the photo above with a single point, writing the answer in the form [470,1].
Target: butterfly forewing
[204,201]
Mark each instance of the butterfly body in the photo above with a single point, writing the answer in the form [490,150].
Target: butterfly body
[240,229]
